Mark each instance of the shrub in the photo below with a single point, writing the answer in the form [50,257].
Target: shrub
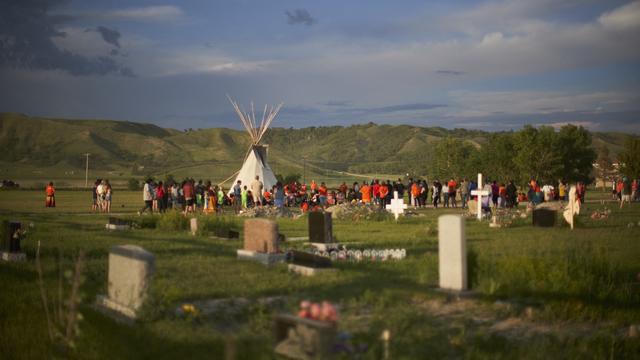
[133,184]
[173,220]
[216,225]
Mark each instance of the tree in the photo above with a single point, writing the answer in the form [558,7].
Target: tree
[574,146]
[497,157]
[629,158]
[604,165]
[451,158]
[536,154]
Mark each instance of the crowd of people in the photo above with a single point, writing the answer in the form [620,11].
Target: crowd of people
[190,196]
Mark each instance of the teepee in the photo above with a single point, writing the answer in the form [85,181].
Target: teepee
[255,162]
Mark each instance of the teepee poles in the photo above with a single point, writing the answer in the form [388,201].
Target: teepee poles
[249,122]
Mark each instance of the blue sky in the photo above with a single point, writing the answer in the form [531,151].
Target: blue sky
[489,65]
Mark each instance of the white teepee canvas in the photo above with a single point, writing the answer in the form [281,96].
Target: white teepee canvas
[255,163]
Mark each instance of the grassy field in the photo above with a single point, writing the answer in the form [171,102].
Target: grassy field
[538,292]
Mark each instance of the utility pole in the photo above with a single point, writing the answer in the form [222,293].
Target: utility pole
[304,171]
[86,172]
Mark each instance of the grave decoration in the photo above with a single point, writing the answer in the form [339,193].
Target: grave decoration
[261,242]
[310,335]
[355,255]
[131,269]
[321,230]
[573,208]
[117,224]
[308,264]
[452,253]
[397,206]
[10,248]
[480,192]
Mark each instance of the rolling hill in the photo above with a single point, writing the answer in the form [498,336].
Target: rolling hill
[31,147]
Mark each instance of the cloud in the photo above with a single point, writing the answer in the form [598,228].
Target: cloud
[27,34]
[299,16]
[405,107]
[110,36]
[337,103]
[450,72]
[624,17]
[147,13]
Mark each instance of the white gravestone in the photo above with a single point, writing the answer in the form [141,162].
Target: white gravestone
[194,226]
[397,205]
[573,207]
[130,271]
[479,192]
[452,253]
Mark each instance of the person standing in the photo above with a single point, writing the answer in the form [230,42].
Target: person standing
[50,191]
[626,191]
[94,195]
[237,193]
[108,196]
[464,192]
[383,191]
[189,196]
[435,193]
[562,191]
[365,193]
[512,194]
[147,197]
[256,190]
[445,193]
[415,194]
[160,192]
[452,192]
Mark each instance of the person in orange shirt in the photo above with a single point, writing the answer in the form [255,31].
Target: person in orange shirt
[51,196]
[365,190]
[322,194]
[415,193]
[314,185]
[383,191]
[452,184]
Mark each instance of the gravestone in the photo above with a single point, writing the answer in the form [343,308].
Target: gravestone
[193,226]
[472,207]
[452,253]
[307,264]
[397,206]
[117,224]
[130,271]
[544,217]
[321,231]
[261,241]
[320,227]
[301,338]
[10,248]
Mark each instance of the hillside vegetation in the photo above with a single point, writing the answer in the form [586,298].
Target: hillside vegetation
[127,148]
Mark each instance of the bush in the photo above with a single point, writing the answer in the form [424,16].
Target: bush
[133,184]
[173,220]
[216,225]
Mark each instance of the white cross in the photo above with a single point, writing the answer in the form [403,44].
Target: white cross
[397,205]
[573,207]
[480,192]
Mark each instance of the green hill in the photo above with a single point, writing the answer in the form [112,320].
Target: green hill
[35,148]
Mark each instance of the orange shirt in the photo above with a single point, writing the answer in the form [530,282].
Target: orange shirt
[415,190]
[50,190]
[452,185]
[365,190]
[383,192]
[323,190]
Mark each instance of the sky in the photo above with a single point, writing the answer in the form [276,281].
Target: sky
[487,65]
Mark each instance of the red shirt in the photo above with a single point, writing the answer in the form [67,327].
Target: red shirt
[188,190]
